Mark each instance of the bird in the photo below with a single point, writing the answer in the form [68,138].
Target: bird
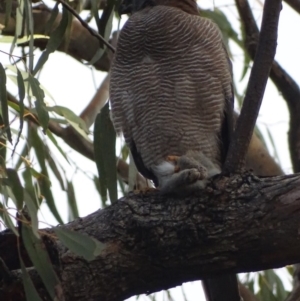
[171,96]
[171,93]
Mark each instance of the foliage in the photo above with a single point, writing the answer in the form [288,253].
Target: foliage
[32,154]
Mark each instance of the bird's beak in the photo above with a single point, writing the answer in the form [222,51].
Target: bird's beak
[125,7]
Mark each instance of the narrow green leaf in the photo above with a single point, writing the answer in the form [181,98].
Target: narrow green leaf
[5,190]
[53,16]
[28,184]
[54,141]
[29,31]
[16,187]
[53,166]
[102,190]
[95,12]
[30,291]
[8,6]
[105,149]
[45,187]
[32,209]
[39,103]
[36,142]
[21,88]
[73,209]
[104,26]
[97,56]
[224,24]
[275,284]
[19,22]
[55,40]
[81,244]
[2,148]
[43,178]
[265,292]
[75,121]
[40,258]
[3,101]
[7,219]
[106,19]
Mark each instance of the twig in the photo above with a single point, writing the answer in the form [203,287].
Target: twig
[85,25]
[256,87]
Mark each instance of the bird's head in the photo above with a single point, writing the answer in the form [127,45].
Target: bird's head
[131,6]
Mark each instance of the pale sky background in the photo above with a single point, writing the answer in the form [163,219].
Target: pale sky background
[73,85]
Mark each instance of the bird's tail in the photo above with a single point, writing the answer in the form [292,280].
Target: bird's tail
[221,288]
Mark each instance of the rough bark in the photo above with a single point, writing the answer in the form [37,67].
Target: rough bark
[238,224]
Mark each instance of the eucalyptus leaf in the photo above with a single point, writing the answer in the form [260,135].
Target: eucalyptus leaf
[7,220]
[21,88]
[16,187]
[30,291]
[81,244]
[2,149]
[32,209]
[105,149]
[41,261]
[72,203]
[8,7]
[56,38]
[55,143]
[39,95]
[76,122]
[3,102]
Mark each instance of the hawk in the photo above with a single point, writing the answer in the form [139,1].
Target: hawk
[171,93]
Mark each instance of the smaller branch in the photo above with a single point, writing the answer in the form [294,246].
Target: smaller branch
[256,87]
[287,86]
[85,25]
[96,104]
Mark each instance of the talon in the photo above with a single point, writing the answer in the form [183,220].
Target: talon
[193,175]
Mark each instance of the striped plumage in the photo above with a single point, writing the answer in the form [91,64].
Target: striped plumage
[170,87]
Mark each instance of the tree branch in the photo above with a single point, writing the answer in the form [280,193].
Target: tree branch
[282,80]
[256,87]
[238,224]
